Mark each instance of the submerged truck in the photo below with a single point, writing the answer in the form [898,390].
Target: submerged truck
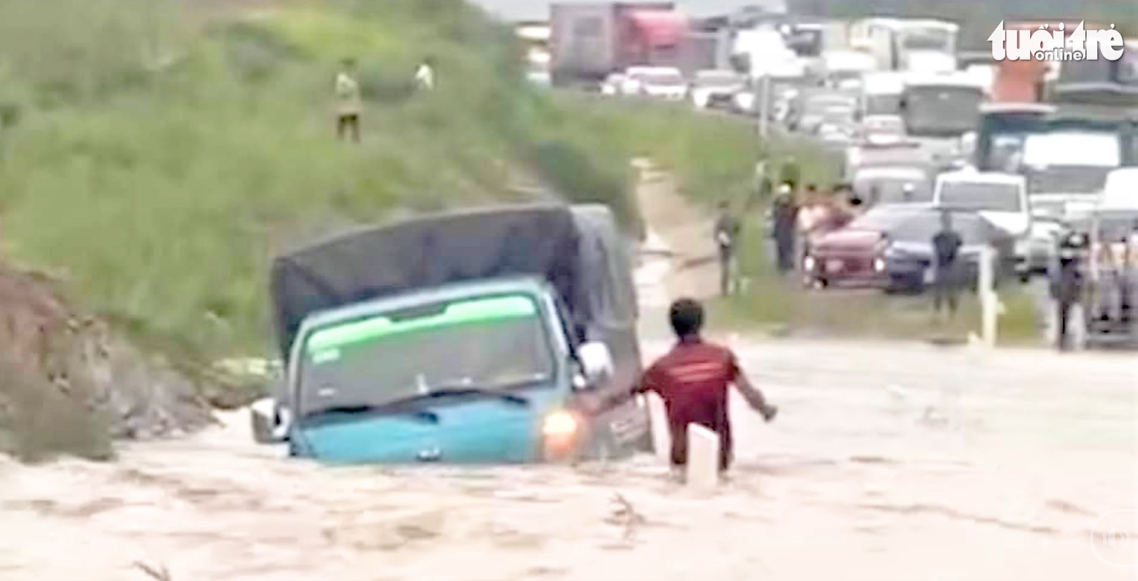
[589,41]
[457,338]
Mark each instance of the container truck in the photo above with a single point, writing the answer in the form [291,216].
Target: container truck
[591,41]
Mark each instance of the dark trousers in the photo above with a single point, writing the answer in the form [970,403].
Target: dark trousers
[784,244]
[1063,319]
[346,123]
[726,256]
[946,291]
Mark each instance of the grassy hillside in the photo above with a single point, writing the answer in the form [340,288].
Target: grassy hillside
[157,165]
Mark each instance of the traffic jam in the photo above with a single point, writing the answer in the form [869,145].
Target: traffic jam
[1022,154]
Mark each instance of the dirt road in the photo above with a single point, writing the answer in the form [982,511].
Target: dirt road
[888,462]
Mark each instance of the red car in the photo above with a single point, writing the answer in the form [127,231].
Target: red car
[890,247]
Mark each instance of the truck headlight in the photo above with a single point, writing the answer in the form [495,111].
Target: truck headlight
[559,425]
[879,265]
[560,437]
[809,263]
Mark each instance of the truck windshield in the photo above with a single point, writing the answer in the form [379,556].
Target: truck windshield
[820,104]
[1116,226]
[1067,180]
[891,189]
[928,39]
[882,104]
[980,196]
[488,343]
[942,111]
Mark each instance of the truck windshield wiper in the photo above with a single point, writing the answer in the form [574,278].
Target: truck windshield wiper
[407,405]
[459,389]
[392,407]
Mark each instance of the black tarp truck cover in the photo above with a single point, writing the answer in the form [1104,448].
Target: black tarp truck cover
[537,240]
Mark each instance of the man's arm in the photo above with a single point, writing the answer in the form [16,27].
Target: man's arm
[598,403]
[750,393]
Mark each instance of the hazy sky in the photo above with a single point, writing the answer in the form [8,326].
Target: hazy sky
[539,9]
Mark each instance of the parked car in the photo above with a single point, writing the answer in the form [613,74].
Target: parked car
[838,250]
[1001,198]
[812,108]
[657,82]
[716,88]
[890,247]
[883,128]
[893,185]
[613,85]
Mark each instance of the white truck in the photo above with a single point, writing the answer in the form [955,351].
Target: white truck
[907,44]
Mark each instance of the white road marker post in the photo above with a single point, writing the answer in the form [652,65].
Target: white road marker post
[990,306]
[658,421]
[764,105]
[703,457]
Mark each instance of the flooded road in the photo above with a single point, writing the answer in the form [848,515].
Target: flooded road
[888,462]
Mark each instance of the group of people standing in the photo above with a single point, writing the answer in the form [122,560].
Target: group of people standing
[796,217]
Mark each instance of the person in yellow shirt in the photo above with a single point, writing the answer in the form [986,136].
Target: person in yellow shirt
[349,105]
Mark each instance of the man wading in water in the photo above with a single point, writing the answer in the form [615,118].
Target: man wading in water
[693,380]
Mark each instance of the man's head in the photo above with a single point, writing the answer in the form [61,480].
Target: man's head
[348,64]
[686,316]
[723,206]
[946,220]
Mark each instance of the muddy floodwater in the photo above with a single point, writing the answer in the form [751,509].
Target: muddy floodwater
[887,462]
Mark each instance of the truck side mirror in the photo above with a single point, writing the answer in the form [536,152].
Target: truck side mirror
[269,421]
[596,363]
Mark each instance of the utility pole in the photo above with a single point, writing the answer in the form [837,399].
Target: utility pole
[764,97]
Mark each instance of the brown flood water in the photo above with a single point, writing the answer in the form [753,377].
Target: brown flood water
[887,462]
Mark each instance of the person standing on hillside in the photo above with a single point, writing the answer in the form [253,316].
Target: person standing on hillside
[425,75]
[693,380]
[727,229]
[946,248]
[349,104]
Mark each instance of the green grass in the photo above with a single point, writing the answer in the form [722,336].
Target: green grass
[158,168]
[781,305]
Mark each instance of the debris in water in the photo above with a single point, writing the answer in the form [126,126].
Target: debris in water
[158,574]
[627,516]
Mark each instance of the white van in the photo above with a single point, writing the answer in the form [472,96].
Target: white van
[1001,198]
[1121,189]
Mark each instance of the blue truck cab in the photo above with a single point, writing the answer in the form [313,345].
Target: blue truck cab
[451,358]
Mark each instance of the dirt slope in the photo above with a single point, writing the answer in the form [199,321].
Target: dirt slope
[67,383]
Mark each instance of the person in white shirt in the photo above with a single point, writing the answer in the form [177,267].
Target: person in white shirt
[425,76]
[349,104]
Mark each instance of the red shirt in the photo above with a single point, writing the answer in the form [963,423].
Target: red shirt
[693,379]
